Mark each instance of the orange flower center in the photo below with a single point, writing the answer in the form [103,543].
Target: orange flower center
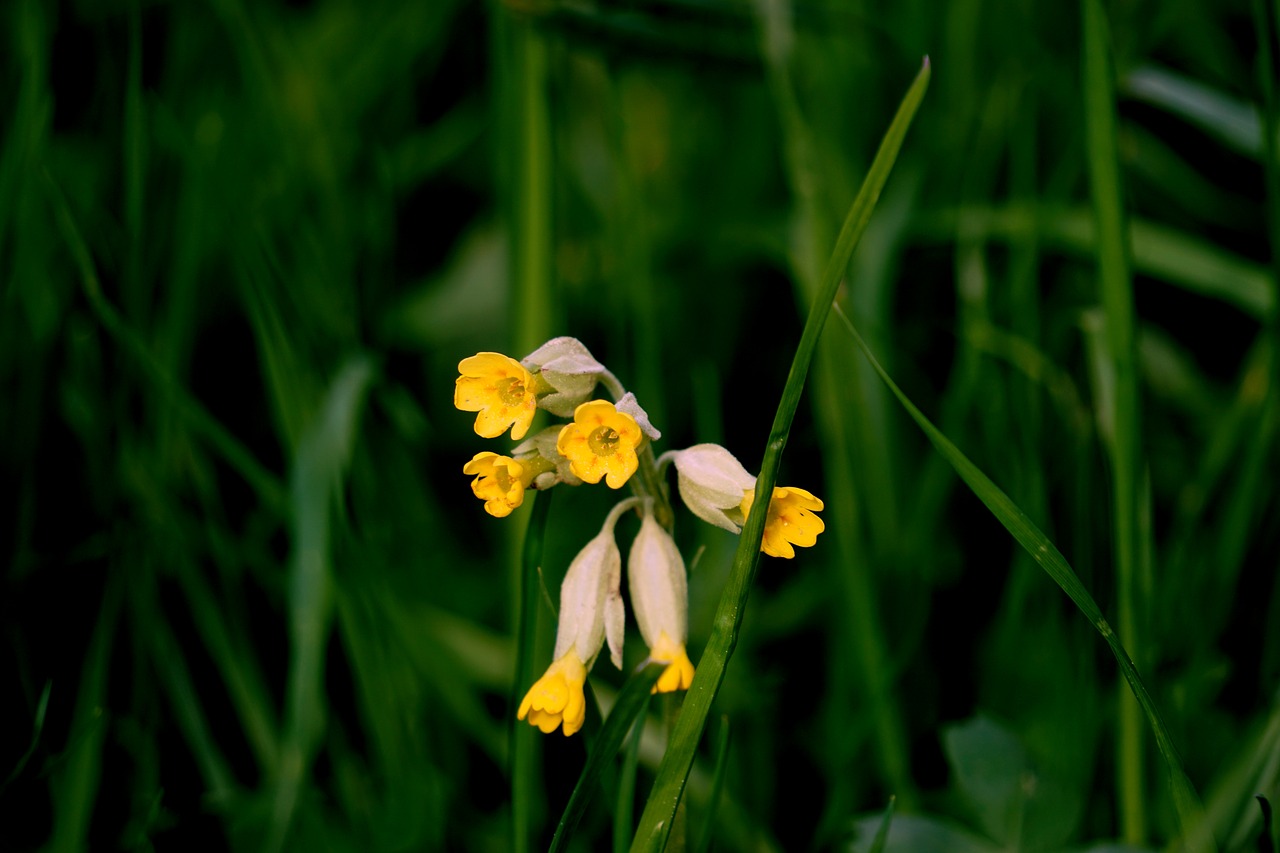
[511,391]
[604,441]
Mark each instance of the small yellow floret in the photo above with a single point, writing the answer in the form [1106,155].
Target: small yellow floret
[557,697]
[499,481]
[677,676]
[601,442]
[501,390]
[791,521]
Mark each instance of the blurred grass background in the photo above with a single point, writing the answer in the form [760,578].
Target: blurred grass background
[249,601]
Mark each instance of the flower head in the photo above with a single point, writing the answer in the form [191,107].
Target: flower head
[501,481]
[501,390]
[660,599]
[791,521]
[712,482]
[601,442]
[556,698]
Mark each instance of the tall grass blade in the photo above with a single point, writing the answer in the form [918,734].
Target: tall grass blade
[717,786]
[655,822]
[1125,443]
[633,699]
[624,814]
[1049,558]
[74,788]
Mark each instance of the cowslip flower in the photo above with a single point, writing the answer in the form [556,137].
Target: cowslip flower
[660,599]
[501,390]
[601,442]
[712,482]
[791,520]
[591,610]
[501,481]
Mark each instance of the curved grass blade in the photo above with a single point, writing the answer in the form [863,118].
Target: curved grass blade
[717,785]
[659,811]
[1045,553]
[37,728]
[631,701]
[522,738]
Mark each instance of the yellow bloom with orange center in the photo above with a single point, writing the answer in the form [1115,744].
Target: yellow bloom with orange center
[556,698]
[501,481]
[791,520]
[601,442]
[501,390]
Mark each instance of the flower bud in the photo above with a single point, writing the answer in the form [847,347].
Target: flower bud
[660,599]
[712,483]
[569,372]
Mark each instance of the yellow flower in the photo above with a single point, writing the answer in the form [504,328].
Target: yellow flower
[601,442]
[501,390]
[677,676]
[791,521]
[557,697]
[499,481]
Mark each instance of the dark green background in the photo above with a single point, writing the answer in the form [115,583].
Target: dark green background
[244,246]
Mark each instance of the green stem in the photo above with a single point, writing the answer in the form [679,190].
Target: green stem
[1126,452]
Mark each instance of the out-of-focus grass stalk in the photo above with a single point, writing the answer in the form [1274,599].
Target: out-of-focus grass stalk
[525,800]
[624,812]
[264,482]
[660,808]
[317,469]
[857,585]
[1126,451]
[521,56]
[531,231]
[717,786]
[133,166]
[74,788]
[1266,15]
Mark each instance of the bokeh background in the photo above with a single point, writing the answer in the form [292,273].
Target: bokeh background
[249,600]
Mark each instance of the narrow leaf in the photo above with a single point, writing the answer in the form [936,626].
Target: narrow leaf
[1046,554]
[659,812]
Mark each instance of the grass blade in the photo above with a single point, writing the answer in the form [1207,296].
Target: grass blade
[633,699]
[717,785]
[624,814]
[1125,444]
[1046,554]
[660,809]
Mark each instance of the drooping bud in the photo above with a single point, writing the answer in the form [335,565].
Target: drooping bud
[712,482]
[569,371]
[660,599]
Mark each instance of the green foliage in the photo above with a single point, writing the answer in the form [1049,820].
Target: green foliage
[250,602]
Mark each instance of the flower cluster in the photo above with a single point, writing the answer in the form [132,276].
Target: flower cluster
[608,441]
